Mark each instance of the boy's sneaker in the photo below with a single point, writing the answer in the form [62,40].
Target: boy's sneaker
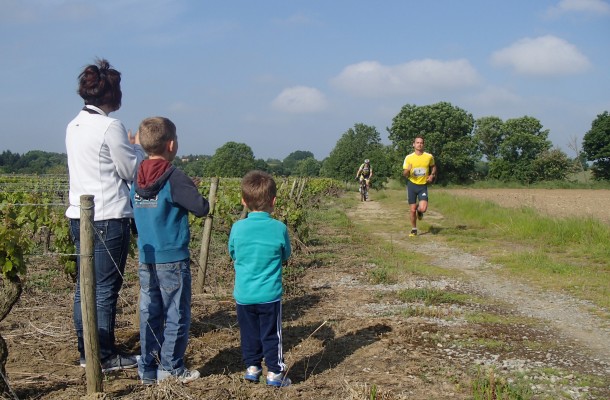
[115,362]
[118,362]
[278,380]
[186,376]
[413,233]
[253,374]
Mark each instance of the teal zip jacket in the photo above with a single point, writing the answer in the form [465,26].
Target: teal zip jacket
[258,245]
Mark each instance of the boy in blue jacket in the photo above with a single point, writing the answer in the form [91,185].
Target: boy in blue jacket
[162,197]
[258,246]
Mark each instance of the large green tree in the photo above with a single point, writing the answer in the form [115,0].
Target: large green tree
[8,160]
[523,141]
[553,165]
[231,160]
[275,167]
[489,135]
[290,162]
[596,146]
[448,134]
[355,145]
[307,167]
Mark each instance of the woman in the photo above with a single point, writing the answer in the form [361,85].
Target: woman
[102,161]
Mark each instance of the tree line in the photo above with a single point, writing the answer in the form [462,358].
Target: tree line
[33,162]
[466,150]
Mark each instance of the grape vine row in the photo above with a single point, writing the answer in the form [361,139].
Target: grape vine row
[32,211]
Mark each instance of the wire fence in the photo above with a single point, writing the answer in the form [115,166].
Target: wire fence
[52,205]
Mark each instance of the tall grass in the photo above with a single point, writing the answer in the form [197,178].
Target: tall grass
[571,254]
[576,181]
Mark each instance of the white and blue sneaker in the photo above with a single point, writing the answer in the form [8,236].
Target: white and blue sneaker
[278,380]
[253,373]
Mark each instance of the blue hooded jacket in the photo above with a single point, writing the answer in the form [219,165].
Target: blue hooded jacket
[161,206]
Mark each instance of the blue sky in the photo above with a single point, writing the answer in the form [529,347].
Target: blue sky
[287,75]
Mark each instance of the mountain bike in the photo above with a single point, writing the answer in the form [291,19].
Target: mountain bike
[364,191]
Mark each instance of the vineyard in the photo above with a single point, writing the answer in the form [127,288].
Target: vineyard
[34,228]
[32,210]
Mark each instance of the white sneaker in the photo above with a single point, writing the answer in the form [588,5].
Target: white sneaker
[278,380]
[186,376]
[253,373]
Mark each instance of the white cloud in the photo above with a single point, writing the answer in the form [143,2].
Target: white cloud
[543,56]
[300,100]
[372,79]
[585,6]
[494,97]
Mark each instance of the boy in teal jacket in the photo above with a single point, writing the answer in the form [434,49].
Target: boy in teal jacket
[258,246]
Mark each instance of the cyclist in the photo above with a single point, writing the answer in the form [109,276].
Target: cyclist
[365,172]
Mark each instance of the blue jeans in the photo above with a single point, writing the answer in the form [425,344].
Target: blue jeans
[165,316]
[111,244]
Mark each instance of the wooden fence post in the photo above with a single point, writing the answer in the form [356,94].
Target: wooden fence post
[294,184]
[205,238]
[88,305]
[303,182]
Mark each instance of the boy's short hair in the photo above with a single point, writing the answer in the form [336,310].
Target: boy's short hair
[154,133]
[258,190]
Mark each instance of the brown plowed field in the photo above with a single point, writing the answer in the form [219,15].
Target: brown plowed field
[555,202]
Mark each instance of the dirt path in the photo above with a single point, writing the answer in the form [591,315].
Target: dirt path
[570,316]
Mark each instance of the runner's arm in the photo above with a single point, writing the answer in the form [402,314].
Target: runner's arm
[432,175]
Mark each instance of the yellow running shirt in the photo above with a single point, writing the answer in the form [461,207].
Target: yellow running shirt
[420,167]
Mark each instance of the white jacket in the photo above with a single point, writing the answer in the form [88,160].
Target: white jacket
[101,162]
